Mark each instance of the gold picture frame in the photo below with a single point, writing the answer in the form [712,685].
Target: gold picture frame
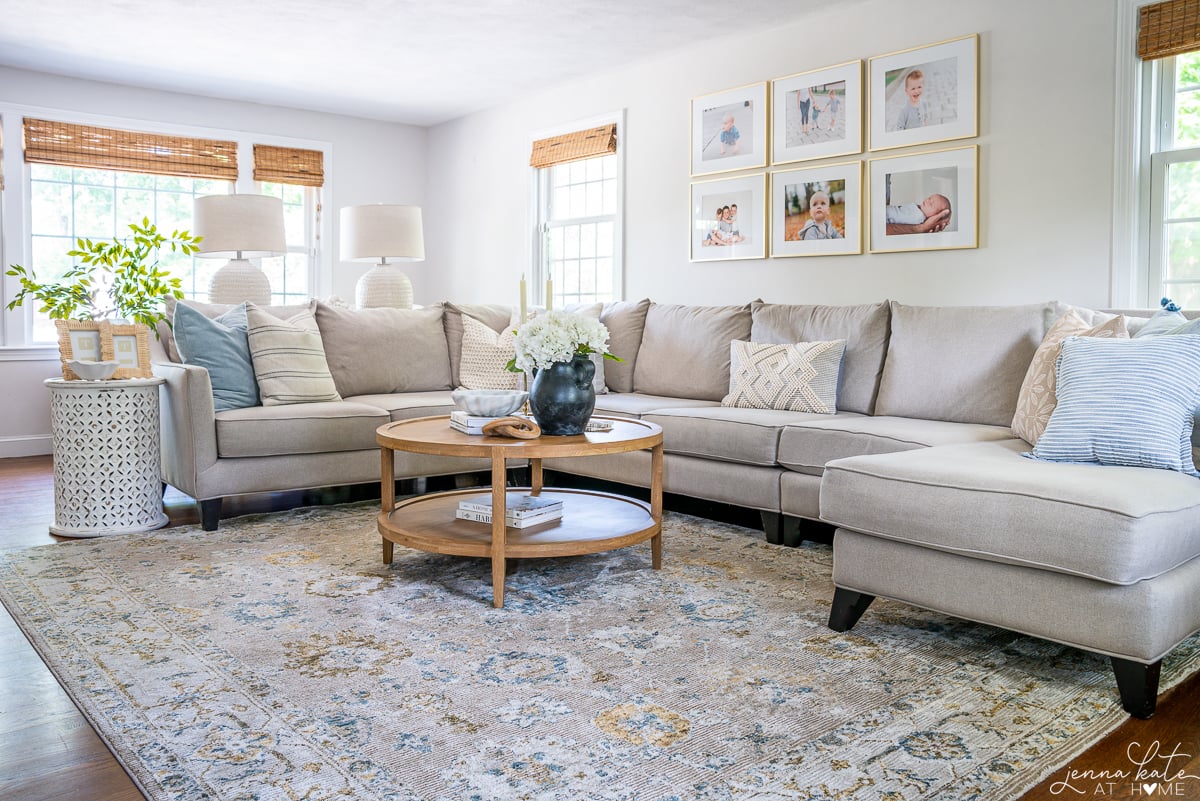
[730,130]
[933,184]
[925,94]
[129,346]
[79,340]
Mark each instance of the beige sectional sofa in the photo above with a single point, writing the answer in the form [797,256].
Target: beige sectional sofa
[918,468]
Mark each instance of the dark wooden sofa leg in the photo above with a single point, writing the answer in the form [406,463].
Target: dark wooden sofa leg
[848,607]
[210,513]
[1138,684]
[772,523]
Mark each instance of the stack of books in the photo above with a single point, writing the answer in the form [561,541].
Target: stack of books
[520,511]
[469,423]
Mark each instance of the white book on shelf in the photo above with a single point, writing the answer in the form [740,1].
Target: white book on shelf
[516,504]
[510,522]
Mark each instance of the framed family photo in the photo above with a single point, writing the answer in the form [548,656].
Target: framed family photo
[926,94]
[817,114]
[729,219]
[928,201]
[817,211]
[129,347]
[729,130]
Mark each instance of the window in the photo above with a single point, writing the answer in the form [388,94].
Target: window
[578,233]
[291,274]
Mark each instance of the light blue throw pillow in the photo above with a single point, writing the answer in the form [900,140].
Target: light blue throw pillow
[220,346]
[1125,402]
[1163,321]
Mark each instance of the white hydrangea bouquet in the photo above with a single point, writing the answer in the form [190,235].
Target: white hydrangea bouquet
[558,336]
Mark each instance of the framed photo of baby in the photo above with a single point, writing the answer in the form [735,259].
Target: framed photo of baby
[928,201]
[729,130]
[926,94]
[817,114]
[729,219]
[817,212]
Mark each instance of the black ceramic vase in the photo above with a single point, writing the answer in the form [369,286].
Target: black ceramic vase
[562,396]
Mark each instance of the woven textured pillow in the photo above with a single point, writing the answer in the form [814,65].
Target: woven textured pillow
[1037,399]
[1125,402]
[800,378]
[289,360]
[219,346]
[484,356]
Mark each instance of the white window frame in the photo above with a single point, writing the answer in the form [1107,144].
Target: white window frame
[16,207]
[540,191]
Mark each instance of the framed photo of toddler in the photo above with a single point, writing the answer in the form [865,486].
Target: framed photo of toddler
[729,130]
[129,346]
[817,114]
[928,201]
[729,219]
[817,211]
[925,94]
[78,340]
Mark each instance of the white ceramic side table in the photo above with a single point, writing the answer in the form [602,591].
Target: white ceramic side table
[107,464]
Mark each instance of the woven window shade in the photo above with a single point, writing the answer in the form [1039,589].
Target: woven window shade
[574,146]
[289,165]
[87,146]
[1168,29]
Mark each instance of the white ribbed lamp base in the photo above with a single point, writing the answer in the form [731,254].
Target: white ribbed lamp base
[384,285]
[238,281]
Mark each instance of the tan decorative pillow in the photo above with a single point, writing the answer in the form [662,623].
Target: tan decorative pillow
[289,359]
[800,378]
[484,356]
[1037,398]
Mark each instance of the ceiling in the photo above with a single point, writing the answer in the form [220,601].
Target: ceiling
[420,62]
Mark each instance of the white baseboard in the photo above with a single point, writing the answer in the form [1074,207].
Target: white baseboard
[12,447]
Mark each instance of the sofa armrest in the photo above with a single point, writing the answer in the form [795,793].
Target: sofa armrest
[188,424]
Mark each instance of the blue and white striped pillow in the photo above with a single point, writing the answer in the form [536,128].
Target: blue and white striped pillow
[1125,402]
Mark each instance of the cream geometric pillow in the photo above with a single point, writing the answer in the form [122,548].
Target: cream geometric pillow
[800,378]
[484,356]
[289,359]
[1037,399]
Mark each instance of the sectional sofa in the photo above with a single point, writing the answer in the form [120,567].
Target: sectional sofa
[918,469]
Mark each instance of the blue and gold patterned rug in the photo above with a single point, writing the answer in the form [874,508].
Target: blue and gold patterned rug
[278,658]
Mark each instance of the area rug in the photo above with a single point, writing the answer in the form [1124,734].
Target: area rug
[278,658]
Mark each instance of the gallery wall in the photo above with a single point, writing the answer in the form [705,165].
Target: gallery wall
[1045,153]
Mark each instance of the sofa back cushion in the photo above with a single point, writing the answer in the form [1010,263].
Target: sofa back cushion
[962,364]
[865,329]
[380,351]
[625,320]
[685,350]
[219,345]
[494,315]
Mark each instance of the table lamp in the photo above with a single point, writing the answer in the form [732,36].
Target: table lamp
[376,233]
[239,228]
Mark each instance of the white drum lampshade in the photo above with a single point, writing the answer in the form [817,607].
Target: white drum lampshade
[377,233]
[239,228]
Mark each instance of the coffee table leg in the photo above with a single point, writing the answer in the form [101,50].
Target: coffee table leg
[535,476]
[656,542]
[387,472]
[499,484]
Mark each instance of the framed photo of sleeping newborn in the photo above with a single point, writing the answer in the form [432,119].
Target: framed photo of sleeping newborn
[729,130]
[925,94]
[927,201]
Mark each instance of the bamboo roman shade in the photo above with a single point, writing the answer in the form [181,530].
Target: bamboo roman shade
[70,145]
[1168,29]
[289,165]
[587,144]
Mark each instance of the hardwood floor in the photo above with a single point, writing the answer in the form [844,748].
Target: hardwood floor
[48,752]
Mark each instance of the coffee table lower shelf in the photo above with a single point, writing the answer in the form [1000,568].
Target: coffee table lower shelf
[592,522]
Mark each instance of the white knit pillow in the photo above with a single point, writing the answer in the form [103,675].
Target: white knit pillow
[289,359]
[484,356]
[800,378]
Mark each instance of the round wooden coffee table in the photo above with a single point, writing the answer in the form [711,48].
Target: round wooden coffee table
[591,521]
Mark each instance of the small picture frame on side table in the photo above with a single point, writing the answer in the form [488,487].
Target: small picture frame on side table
[79,340]
[129,346]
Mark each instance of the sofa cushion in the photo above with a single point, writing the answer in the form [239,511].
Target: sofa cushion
[383,350]
[865,329]
[962,364]
[289,360]
[800,377]
[747,436]
[635,404]
[485,355]
[1115,524]
[625,321]
[685,350]
[808,446]
[220,346]
[407,405]
[298,428]
[495,316]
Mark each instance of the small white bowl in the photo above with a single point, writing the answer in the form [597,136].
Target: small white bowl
[489,402]
[93,371]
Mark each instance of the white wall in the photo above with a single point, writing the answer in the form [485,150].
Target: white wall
[371,162]
[1046,163]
